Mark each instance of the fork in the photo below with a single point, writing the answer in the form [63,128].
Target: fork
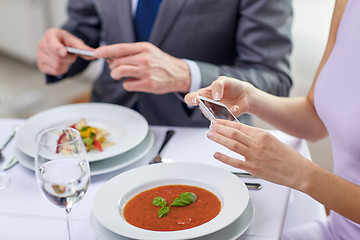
[8,138]
[168,136]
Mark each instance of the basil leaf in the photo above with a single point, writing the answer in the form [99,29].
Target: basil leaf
[159,201]
[163,211]
[184,199]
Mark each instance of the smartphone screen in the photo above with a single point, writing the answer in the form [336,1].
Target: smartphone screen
[217,110]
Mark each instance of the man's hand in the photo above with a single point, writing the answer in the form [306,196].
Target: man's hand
[52,57]
[146,67]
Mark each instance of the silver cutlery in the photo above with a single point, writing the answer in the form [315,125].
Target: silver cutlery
[9,163]
[243,174]
[168,136]
[8,138]
[253,186]
[250,186]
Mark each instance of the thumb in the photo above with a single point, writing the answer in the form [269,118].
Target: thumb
[70,40]
[191,99]
[217,88]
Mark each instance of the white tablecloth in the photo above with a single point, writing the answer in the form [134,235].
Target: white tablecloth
[26,214]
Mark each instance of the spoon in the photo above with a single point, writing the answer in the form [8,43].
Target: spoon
[8,138]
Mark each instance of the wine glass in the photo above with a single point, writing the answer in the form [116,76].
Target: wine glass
[62,170]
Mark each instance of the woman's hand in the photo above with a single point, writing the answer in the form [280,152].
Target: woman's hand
[265,156]
[234,93]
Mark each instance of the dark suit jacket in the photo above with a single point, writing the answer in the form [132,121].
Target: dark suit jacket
[245,39]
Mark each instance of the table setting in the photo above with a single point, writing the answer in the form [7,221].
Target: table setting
[140,157]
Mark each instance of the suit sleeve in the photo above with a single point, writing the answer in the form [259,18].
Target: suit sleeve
[84,23]
[263,45]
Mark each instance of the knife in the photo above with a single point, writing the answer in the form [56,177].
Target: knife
[9,163]
[253,186]
[250,186]
[243,174]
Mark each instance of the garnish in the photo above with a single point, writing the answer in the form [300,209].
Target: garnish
[93,138]
[88,143]
[159,201]
[163,211]
[186,198]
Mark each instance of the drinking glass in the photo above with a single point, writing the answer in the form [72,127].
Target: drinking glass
[62,170]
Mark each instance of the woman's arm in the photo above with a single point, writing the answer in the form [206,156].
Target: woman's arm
[332,191]
[295,116]
[270,159]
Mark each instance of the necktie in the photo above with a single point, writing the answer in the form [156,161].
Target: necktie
[145,15]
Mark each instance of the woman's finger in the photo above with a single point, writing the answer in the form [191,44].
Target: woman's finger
[192,99]
[227,137]
[246,129]
[241,164]
[217,88]
[235,110]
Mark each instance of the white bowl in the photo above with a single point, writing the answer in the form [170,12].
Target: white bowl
[111,198]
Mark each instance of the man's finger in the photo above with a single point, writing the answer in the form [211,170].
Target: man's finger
[118,50]
[126,71]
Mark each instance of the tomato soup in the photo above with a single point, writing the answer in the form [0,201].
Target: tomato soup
[140,212]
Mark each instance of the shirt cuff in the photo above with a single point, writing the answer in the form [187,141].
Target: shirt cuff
[195,79]
[195,75]
[54,79]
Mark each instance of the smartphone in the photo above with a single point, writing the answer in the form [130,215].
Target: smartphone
[215,110]
[80,51]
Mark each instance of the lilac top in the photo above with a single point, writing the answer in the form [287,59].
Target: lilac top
[337,102]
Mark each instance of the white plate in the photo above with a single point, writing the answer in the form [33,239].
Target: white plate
[126,127]
[112,197]
[106,165]
[231,232]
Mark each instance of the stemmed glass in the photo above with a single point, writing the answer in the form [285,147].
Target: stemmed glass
[62,170]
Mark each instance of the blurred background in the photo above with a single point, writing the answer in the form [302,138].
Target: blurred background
[22,87]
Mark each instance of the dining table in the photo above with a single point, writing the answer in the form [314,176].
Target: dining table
[26,214]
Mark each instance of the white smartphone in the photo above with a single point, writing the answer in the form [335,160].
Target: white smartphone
[80,51]
[215,110]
